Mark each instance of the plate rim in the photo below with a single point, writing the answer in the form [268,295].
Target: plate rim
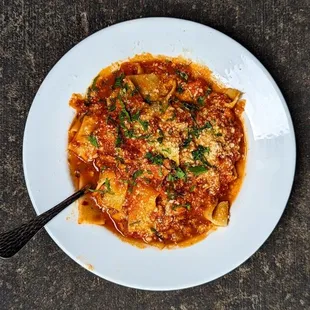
[287,114]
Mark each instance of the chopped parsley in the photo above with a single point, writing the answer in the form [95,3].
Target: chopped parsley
[199,153]
[101,191]
[179,89]
[167,150]
[134,92]
[194,132]
[156,233]
[144,124]
[112,106]
[160,140]
[197,170]
[94,84]
[208,91]
[189,106]
[119,81]
[91,88]
[124,109]
[156,159]
[135,116]
[187,141]
[172,118]
[178,173]
[137,174]
[171,195]
[207,125]
[108,189]
[201,101]
[119,159]
[187,206]
[192,188]
[134,223]
[132,182]
[147,99]
[93,141]
[108,186]
[119,138]
[182,75]
[129,133]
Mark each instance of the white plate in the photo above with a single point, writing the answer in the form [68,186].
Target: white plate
[269,172]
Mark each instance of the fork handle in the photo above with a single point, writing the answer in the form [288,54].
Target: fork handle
[12,241]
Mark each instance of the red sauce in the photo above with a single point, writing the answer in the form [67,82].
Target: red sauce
[134,139]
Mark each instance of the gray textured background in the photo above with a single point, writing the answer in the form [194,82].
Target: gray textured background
[34,35]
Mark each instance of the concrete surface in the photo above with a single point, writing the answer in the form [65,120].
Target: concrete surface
[34,35]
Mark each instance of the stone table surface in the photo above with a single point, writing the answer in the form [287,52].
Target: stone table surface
[34,35]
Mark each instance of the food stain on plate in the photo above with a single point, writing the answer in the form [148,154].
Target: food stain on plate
[88,266]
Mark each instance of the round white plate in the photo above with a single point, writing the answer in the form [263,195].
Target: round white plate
[269,171]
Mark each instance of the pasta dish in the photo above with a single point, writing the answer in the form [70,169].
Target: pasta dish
[162,145]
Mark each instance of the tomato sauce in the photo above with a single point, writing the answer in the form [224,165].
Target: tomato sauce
[163,147]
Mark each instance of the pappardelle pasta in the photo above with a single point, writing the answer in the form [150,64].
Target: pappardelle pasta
[162,145]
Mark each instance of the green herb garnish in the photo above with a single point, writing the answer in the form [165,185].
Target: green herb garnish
[201,101]
[207,125]
[179,89]
[108,186]
[93,140]
[124,109]
[135,116]
[112,106]
[156,159]
[119,159]
[192,188]
[119,138]
[167,150]
[189,106]
[156,233]
[170,177]
[171,195]
[94,83]
[137,174]
[119,80]
[186,206]
[194,132]
[197,170]
[129,133]
[208,91]
[147,99]
[178,173]
[144,124]
[132,182]
[199,153]
[108,189]
[134,92]
[160,140]
[182,75]
[134,223]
